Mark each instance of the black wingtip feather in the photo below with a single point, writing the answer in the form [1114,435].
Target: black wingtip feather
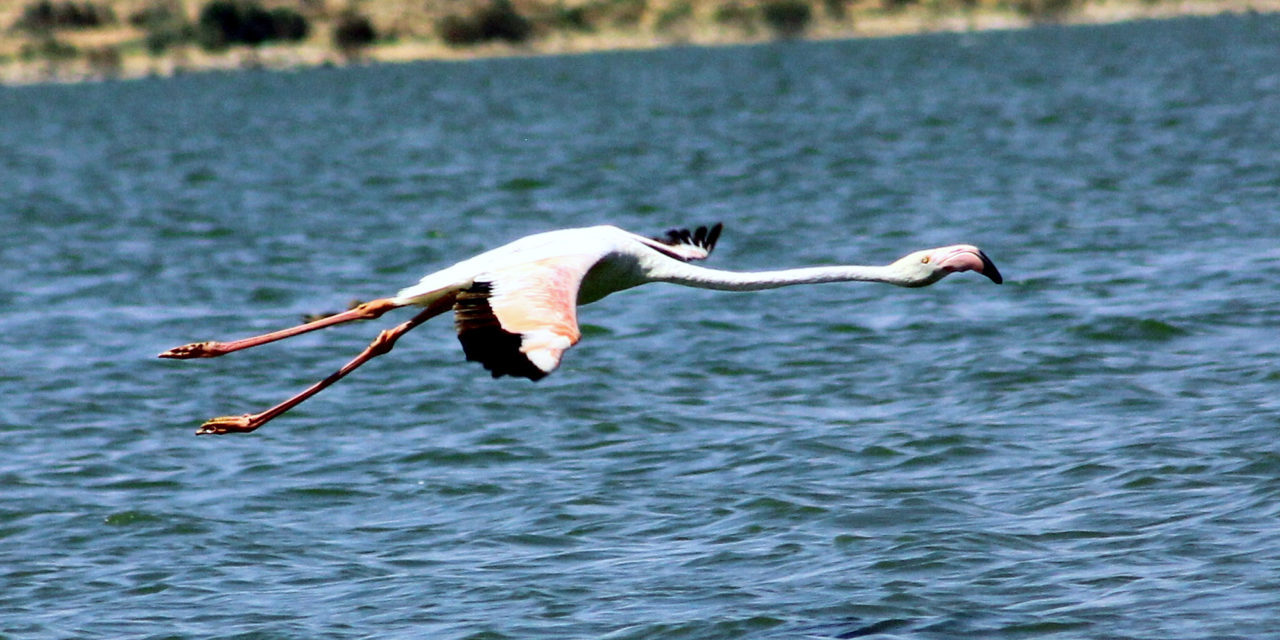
[703,236]
[714,235]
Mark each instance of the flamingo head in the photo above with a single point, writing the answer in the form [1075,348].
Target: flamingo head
[926,267]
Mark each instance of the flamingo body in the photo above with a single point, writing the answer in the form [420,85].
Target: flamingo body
[515,307]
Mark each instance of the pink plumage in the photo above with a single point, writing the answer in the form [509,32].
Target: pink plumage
[515,307]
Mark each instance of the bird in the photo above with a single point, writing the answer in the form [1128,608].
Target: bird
[515,307]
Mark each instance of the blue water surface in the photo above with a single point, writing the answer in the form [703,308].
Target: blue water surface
[1088,451]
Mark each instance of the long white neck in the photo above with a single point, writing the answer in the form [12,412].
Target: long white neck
[694,276]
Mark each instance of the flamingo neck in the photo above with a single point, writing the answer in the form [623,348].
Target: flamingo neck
[703,278]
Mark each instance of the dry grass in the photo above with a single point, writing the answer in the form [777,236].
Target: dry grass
[408,32]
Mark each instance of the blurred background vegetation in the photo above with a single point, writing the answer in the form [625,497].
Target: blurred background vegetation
[72,39]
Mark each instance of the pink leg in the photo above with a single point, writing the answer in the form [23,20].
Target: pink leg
[380,345]
[366,311]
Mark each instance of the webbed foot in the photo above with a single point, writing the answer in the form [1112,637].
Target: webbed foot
[228,424]
[195,350]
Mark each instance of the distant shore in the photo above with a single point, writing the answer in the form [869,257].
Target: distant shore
[118,50]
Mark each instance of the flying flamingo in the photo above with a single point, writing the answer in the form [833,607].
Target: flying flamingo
[515,307]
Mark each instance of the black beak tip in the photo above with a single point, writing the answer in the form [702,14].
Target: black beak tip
[989,269]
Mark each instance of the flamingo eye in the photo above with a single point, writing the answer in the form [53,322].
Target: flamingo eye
[924,260]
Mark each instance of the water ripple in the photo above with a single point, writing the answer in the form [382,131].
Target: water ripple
[1087,450]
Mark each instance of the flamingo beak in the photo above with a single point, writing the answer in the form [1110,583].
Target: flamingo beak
[989,268]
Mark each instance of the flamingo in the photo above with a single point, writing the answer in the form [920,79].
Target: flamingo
[515,307]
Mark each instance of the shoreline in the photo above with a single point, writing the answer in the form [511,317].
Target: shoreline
[133,62]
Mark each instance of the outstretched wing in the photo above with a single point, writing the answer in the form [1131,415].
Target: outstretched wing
[517,321]
[686,245]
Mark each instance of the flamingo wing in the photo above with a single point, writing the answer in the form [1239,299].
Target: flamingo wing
[518,320]
[685,245]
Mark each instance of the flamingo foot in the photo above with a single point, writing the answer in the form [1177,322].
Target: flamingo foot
[229,424]
[195,350]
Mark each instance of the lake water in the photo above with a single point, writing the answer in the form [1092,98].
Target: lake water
[1089,451]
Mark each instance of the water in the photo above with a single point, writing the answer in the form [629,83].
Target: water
[1086,451]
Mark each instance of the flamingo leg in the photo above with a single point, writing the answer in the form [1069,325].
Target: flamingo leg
[212,349]
[380,345]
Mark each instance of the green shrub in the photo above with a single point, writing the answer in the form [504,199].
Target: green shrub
[674,16]
[353,32]
[287,24]
[223,23]
[787,18]
[458,31]
[49,49]
[571,18]
[733,14]
[155,13]
[162,37]
[105,62]
[1046,10]
[164,25]
[45,15]
[625,13]
[499,20]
